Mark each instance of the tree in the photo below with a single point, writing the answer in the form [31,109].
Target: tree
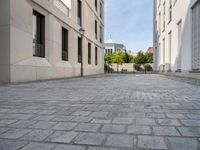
[140,58]
[118,58]
[127,57]
[107,60]
[149,57]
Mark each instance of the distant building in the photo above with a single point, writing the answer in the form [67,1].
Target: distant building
[111,46]
[150,50]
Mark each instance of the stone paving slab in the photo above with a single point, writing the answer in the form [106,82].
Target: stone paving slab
[106,112]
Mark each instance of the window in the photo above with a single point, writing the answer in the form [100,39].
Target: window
[164,16]
[38,34]
[196,37]
[101,10]
[179,46]
[159,23]
[170,49]
[101,34]
[96,34]
[79,12]
[64,44]
[163,54]
[89,53]
[170,10]
[96,56]
[96,5]
[79,50]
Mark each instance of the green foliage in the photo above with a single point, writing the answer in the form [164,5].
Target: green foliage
[140,58]
[117,57]
[149,57]
[107,59]
[137,67]
[148,67]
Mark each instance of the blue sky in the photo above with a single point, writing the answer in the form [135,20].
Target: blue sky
[130,22]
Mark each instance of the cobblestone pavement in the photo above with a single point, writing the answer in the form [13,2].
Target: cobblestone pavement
[107,112]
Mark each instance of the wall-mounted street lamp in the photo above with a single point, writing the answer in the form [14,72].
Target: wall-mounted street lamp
[82,32]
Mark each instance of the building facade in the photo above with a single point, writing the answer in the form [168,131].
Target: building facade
[40,39]
[111,46]
[177,36]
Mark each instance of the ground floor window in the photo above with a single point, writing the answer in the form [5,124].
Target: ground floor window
[96,56]
[89,53]
[79,50]
[64,44]
[38,34]
[196,37]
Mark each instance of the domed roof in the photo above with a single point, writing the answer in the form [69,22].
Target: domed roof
[110,41]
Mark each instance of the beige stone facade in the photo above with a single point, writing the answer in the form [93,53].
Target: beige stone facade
[17,60]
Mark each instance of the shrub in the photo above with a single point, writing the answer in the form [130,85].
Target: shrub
[137,67]
[148,67]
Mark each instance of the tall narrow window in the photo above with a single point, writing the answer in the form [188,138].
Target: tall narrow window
[163,54]
[163,16]
[89,53]
[96,56]
[79,12]
[96,30]
[179,46]
[96,5]
[159,23]
[38,34]
[101,10]
[64,44]
[170,10]
[101,34]
[170,50]
[79,50]
[196,37]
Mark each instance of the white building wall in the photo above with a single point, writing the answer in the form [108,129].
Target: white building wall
[17,63]
[181,12]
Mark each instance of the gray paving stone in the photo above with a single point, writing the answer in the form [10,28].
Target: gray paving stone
[126,141]
[99,114]
[37,135]
[62,137]
[81,113]
[3,130]
[82,119]
[7,121]
[69,147]
[38,146]
[11,145]
[192,123]
[22,124]
[63,118]
[113,129]
[145,121]
[194,116]
[43,125]
[14,133]
[64,126]
[101,148]
[123,121]
[87,127]
[168,122]
[90,139]
[156,115]
[139,130]
[47,112]
[189,131]
[176,116]
[102,121]
[44,117]
[151,142]
[170,131]
[180,143]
